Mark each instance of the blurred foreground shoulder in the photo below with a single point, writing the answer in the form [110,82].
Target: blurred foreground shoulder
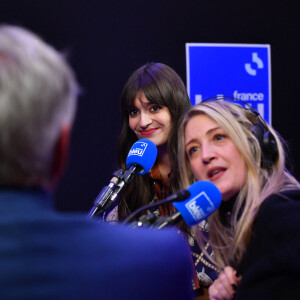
[152,264]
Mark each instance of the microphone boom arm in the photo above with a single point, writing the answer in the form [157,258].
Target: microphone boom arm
[102,201]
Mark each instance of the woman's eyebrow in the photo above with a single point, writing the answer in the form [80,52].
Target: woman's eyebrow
[210,131]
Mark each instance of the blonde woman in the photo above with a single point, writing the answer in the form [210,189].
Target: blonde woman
[255,234]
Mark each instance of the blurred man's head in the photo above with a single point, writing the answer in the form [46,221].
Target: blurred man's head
[38,95]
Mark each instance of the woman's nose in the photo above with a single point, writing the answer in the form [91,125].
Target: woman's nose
[208,153]
[145,120]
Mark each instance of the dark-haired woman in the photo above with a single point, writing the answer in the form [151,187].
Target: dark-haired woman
[152,103]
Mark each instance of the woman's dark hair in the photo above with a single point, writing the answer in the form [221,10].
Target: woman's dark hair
[161,85]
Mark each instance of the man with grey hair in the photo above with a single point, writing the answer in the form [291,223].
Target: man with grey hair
[50,255]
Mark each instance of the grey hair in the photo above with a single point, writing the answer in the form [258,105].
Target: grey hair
[38,96]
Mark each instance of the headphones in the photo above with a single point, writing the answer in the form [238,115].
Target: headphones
[260,130]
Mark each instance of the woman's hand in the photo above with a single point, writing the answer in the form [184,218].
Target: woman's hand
[225,286]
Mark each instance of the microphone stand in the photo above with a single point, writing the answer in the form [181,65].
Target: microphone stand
[145,221]
[100,204]
[151,219]
[108,194]
[167,221]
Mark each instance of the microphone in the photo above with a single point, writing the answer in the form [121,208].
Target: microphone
[140,159]
[180,195]
[205,199]
[141,156]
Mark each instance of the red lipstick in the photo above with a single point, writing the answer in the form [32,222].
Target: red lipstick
[148,131]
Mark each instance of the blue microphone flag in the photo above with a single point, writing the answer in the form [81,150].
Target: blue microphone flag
[205,199]
[142,153]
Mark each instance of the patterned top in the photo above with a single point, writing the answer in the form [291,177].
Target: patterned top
[205,271]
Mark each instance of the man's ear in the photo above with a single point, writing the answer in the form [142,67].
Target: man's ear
[60,152]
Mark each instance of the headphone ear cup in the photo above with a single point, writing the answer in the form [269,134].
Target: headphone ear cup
[258,132]
[270,145]
[267,144]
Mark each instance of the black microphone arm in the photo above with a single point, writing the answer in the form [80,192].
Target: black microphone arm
[109,193]
[148,219]
[167,221]
[100,204]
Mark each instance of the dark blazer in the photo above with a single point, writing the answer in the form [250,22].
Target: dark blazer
[271,265]
[49,255]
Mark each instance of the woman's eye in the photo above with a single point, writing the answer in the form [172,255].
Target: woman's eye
[219,137]
[155,108]
[192,150]
[133,112]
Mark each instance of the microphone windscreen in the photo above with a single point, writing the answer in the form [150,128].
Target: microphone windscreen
[142,153]
[205,199]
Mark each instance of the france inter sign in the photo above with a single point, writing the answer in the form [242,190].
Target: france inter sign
[241,71]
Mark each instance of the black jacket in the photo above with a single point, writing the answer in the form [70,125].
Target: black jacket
[271,265]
